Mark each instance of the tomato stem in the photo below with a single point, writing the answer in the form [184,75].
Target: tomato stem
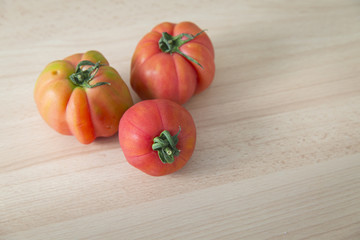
[171,44]
[83,78]
[165,145]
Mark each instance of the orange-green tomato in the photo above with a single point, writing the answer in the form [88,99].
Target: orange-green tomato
[82,96]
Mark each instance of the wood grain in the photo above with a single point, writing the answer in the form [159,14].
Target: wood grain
[278,147]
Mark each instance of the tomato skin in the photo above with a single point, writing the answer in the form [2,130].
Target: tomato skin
[146,120]
[86,113]
[156,74]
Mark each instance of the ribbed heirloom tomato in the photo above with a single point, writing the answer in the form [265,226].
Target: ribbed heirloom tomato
[82,96]
[173,61]
[157,136]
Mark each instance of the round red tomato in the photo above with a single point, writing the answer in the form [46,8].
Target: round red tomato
[173,61]
[82,96]
[157,136]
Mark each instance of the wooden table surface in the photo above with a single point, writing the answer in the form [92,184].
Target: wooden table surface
[278,148]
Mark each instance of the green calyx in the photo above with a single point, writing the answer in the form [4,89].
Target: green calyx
[83,78]
[165,145]
[171,44]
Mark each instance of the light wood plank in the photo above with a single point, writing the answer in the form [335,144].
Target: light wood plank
[278,147]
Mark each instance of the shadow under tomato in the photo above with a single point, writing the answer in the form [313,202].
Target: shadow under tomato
[112,140]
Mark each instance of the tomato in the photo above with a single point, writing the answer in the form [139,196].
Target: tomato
[173,61]
[157,136]
[82,96]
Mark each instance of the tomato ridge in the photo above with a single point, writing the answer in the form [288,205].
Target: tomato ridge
[177,79]
[147,135]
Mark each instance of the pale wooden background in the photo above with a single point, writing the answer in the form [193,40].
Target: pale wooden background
[278,147]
